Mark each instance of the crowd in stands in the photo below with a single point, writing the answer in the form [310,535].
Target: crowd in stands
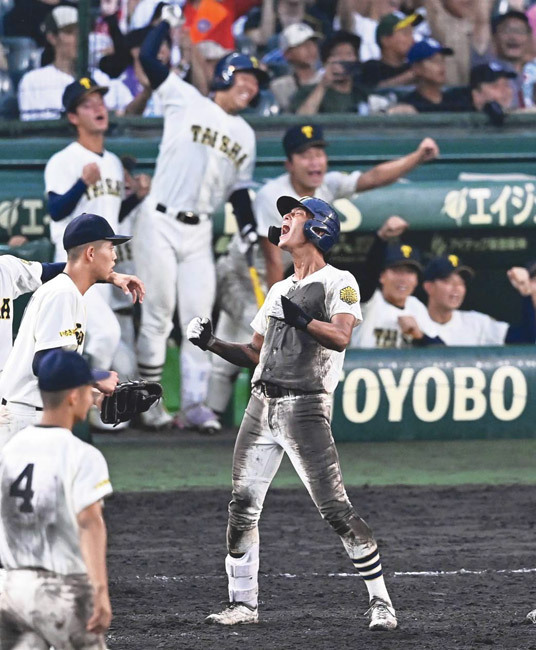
[340,56]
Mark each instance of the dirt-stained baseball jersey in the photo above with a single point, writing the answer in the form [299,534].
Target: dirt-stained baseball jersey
[47,477]
[16,277]
[205,153]
[465,328]
[55,318]
[322,294]
[380,328]
[103,198]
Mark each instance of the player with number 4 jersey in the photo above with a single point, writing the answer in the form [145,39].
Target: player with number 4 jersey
[52,535]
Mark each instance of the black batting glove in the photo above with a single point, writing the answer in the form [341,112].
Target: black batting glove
[199,332]
[294,315]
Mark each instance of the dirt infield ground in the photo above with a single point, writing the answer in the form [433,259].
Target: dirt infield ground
[166,553]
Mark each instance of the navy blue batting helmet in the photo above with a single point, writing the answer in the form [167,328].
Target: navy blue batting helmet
[324,226]
[236,62]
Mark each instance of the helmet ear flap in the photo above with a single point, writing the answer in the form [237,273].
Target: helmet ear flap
[274,233]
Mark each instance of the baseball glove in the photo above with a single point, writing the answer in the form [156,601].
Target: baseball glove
[129,399]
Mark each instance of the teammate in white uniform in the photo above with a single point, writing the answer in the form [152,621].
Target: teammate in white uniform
[207,156]
[445,282]
[307,175]
[40,90]
[52,534]
[393,300]
[17,277]
[56,318]
[297,349]
[85,177]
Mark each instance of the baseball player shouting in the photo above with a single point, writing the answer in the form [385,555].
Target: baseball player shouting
[307,175]
[52,534]
[297,349]
[85,177]
[56,318]
[207,156]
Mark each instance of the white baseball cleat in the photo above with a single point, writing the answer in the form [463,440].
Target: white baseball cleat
[156,417]
[382,615]
[531,617]
[199,417]
[235,614]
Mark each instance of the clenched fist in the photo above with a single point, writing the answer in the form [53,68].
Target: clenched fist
[428,150]
[199,332]
[91,174]
[520,280]
[409,327]
[392,227]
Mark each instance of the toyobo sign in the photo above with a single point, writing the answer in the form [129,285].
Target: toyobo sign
[436,393]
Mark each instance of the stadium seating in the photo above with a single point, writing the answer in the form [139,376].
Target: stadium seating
[22,55]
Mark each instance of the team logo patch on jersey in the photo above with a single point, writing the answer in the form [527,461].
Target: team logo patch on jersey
[349,295]
[76,332]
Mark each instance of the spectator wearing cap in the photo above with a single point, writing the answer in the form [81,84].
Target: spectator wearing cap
[464,27]
[427,58]
[40,91]
[392,301]
[299,44]
[338,91]
[491,88]
[306,175]
[394,36]
[445,282]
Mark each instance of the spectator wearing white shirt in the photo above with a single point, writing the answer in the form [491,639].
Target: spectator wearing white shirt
[40,91]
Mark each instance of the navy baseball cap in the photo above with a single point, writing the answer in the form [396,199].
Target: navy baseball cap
[65,369]
[427,48]
[440,268]
[86,228]
[301,137]
[77,90]
[402,255]
[488,73]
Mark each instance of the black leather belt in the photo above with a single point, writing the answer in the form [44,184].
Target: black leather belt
[37,408]
[273,390]
[184,217]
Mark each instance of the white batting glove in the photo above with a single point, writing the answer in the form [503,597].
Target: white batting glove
[199,332]
[172,14]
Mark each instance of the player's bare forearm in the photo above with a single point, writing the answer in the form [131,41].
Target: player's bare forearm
[92,532]
[388,172]
[245,355]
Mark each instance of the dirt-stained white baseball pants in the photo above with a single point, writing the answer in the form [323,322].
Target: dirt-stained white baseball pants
[176,262]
